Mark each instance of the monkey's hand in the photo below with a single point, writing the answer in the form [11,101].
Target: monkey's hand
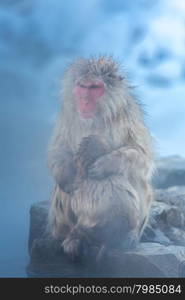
[65,174]
[105,166]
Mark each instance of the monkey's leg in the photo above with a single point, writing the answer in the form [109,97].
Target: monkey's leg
[83,242]
[111,213]
[75,245]
[142,198]
[60,219]
[128,215]
[115,232]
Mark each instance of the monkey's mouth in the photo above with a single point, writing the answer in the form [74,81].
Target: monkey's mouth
[87,109]
[86,115]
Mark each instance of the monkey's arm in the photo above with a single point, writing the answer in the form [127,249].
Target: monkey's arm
[121,161]
[62,165]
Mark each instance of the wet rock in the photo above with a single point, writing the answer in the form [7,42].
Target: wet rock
[155,235]
[170,172]
[147,260]
[38,221]
[176,235]
[167,217]
[172,196]
[167,259]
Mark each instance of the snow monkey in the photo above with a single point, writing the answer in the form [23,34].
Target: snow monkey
[101,158]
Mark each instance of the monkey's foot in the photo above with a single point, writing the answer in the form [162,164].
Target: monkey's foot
[73,248]
[130,242]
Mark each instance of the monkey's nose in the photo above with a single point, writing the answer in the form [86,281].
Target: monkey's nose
[86,101]
[85,98]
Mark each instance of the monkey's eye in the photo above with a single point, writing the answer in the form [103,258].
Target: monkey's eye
[113,76]
[95,86]
[82,85]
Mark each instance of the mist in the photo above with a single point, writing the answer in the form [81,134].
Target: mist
[38,39]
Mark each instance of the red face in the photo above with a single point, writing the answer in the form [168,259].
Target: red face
[87,96]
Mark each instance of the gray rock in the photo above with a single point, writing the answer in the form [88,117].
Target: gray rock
[170,172]
[169,260]
[172,196]
[167,217]
[164,215]
[155,235]
[147,260]
[38,221]
[176,235]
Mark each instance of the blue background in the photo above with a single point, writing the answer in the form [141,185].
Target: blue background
[38,38]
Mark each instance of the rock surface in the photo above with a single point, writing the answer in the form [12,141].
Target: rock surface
[167,217]
[161,252]
[38,221]
[170,172]
[147,260]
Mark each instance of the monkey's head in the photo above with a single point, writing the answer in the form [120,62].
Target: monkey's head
[93,79]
